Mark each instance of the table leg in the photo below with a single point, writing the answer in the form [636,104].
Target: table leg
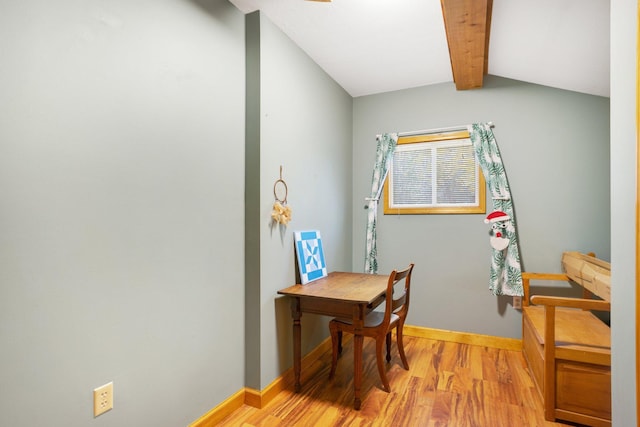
[358,339]
[296,314]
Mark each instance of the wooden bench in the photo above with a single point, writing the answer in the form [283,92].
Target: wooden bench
[566,346]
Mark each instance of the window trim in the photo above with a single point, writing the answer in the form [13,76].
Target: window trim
[437,137]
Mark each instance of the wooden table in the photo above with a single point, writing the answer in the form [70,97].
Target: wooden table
[340,294]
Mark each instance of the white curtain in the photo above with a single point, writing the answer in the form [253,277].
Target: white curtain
[505,274]
[385,148]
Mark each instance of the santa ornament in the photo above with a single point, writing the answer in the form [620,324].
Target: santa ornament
[498,221]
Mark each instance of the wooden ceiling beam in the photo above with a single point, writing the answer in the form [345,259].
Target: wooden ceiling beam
[468,24]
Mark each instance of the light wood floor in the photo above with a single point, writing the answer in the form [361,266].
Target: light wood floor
[448,384]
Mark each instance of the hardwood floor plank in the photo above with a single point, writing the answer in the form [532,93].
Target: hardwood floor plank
[421,405]
[448,385]
[421,360]
[475,361]
[502,393]
[441,413]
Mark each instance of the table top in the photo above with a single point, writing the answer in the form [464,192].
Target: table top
[343,286]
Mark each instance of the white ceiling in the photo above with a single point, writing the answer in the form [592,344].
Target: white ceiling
[374,46]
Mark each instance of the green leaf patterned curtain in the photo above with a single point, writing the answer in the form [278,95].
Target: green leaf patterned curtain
[386,145]
[506,273]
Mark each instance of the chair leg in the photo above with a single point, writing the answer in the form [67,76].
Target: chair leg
[381,371]
[389,346]
[339,342]
[401,346]
[333,329]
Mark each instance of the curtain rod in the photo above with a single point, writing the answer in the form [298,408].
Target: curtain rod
[439,130]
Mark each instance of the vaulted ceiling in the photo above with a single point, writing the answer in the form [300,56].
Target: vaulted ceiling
[374,46]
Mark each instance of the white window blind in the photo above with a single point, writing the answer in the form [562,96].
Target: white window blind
[440,174]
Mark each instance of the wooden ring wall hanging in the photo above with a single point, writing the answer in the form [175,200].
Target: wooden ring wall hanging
[281,213]
[275,189]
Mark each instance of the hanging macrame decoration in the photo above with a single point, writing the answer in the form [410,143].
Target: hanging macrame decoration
[281,213]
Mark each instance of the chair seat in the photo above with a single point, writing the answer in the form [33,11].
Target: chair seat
[372,319]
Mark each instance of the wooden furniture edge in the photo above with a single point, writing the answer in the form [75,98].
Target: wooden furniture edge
[582,419]
[590,258]
[593,274]
[544,276]
[528,276]
[582,303]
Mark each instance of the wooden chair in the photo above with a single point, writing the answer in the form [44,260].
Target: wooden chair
[378,324]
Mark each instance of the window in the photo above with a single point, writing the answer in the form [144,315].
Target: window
[434,174]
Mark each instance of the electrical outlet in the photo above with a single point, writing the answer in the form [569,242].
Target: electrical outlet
[102,399]
[517,302]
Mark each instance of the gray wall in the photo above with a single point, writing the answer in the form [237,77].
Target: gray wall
[122,134]
[623,210]
[121,220]
[555,147]
[305,127]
